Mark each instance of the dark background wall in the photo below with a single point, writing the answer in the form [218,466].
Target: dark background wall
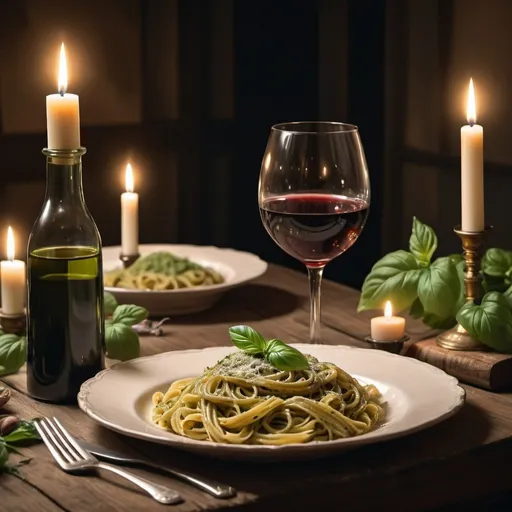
[188,90]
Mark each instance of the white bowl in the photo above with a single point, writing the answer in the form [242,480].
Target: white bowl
[236,267]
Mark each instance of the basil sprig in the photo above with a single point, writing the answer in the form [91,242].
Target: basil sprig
[276,352]
[25,431]
[121,341]
[433,290]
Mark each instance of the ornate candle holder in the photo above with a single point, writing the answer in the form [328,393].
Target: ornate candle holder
[128,260]
[458,338]
[13,324]
[393,346]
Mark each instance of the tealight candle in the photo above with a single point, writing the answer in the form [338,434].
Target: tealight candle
[129,217]
[388,327]
[13,280]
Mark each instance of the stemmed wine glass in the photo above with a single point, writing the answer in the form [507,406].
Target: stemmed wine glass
[314,196]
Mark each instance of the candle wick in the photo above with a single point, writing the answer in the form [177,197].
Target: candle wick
[61,92]
[471,123]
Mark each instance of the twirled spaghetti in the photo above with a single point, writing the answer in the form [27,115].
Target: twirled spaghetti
[243,399]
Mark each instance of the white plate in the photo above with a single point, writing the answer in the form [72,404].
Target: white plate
[418,395]
[237,267]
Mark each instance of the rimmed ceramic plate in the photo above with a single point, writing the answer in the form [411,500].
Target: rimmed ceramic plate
[418,395]
[237,267]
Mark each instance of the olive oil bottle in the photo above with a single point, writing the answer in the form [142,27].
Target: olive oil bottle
[65,319]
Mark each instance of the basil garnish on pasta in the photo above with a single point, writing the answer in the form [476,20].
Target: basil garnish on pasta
[276,352]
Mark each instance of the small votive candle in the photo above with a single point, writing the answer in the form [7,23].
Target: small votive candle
[13,280]
[388,327]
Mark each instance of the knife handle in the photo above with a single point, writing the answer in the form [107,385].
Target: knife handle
[216,489]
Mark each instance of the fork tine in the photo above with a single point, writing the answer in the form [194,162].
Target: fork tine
[84,453]
[63,441]
[49,442]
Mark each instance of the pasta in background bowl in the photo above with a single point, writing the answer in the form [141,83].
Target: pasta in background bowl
[193,279]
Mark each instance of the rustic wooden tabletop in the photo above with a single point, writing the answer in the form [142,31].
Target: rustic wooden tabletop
[463,458]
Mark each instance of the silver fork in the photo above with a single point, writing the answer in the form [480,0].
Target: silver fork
[72,458]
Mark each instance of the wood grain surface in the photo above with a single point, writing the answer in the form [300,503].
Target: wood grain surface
[488,370]
[464,457]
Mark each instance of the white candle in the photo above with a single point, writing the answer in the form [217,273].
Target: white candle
[63,113]
[13,280]
[388,327]
[129,217]
[472,169]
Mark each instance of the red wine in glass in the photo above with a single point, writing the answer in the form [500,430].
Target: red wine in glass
[314,228]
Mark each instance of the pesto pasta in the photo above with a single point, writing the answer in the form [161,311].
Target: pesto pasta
[162,271]
[243,399]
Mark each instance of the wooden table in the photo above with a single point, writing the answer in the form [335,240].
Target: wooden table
[461,459]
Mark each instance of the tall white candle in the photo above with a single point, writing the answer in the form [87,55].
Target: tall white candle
[63,112]
[129,217]
[472,169]
[13,280]
[388,327]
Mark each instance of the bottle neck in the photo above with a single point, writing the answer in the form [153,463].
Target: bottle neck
[64,176]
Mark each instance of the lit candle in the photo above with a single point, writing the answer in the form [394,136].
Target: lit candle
[388,327]
[62,112]
[129,217]
[13,280]
[472,169]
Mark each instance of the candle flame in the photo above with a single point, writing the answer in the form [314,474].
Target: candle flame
[388,310]
[10,244]
[129,178]
[471,108]
[63,71]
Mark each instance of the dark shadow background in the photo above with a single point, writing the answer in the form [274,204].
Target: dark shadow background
[187,90]
[200,83]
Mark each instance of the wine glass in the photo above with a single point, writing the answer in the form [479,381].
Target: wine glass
[314,196]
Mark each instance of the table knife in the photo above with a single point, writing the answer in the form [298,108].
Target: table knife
[213,488]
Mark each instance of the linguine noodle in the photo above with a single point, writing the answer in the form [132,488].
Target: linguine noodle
[162,271]
[243,399]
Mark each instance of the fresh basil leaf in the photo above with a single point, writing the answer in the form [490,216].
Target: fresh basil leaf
[497,262]
[456,257]
[394,277]
[13,353]
[489,322]
[247,339]
[508,295]
[284,357]
[422,243]
[439,288]
[121,341]
[129,314]
[436,322]
[4,456]
[495,283]
[24,431]
[416,310]
[109,303]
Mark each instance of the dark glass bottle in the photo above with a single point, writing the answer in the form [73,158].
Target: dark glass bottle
[65,326]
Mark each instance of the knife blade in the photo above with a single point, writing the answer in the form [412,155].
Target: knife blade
[216,489]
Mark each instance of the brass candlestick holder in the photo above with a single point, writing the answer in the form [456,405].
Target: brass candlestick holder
[458,338]
[128,260]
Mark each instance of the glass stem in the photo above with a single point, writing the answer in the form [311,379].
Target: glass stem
[315,281]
